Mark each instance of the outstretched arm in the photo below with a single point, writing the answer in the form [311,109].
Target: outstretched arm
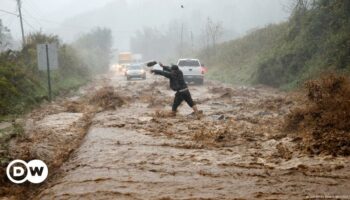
[162,73]
[165,68]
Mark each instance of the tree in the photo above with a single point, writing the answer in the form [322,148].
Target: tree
[95,48]
[149,42]
[5,37]
[212,33]
[152,42]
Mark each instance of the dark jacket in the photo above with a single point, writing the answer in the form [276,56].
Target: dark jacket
[176,78]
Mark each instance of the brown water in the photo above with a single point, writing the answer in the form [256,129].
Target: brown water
[237,150]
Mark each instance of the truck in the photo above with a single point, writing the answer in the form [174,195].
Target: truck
[192,70]
[127,58]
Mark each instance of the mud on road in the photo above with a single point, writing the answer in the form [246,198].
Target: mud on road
[236,150]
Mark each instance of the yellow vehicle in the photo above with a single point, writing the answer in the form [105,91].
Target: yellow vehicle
[124,59]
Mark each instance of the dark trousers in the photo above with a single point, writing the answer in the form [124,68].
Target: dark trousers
[182,96]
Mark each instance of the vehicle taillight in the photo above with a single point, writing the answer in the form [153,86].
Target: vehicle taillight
[203,70]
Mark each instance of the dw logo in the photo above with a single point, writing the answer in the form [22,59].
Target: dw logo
[35,171]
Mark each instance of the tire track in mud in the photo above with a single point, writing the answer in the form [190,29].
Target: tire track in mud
[237,150]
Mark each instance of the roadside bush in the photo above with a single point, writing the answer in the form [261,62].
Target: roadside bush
[17,89]
[22,85]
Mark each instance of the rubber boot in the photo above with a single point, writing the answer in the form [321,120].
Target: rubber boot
[196,112]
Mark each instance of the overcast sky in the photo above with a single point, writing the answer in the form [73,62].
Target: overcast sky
[70,18]
[46,15]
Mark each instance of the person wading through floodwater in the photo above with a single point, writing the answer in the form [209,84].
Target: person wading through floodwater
[178,84]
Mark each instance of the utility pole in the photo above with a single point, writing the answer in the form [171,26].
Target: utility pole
[21,21]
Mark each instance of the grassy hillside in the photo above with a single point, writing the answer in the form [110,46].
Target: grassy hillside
[315,39]
[237,61]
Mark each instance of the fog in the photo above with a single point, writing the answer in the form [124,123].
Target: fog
[69,19]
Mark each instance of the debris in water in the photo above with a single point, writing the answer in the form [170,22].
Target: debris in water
[323,120]
[107,98]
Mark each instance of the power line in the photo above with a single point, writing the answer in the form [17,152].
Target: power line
[39,20]
[33,5]
[11,13]
[31,16]
[28,24]
[37,12]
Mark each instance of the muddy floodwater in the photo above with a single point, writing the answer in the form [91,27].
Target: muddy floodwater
[236,150]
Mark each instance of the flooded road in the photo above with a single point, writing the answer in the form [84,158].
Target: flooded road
[236,150]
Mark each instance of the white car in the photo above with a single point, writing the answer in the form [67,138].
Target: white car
[192,70]
[135,71]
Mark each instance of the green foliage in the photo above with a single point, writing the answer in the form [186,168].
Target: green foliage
[16,87]
[236,61]
[5,37]
[315,38]
[22,85]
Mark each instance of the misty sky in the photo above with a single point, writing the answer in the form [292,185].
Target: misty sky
[46,15]
[70,18]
